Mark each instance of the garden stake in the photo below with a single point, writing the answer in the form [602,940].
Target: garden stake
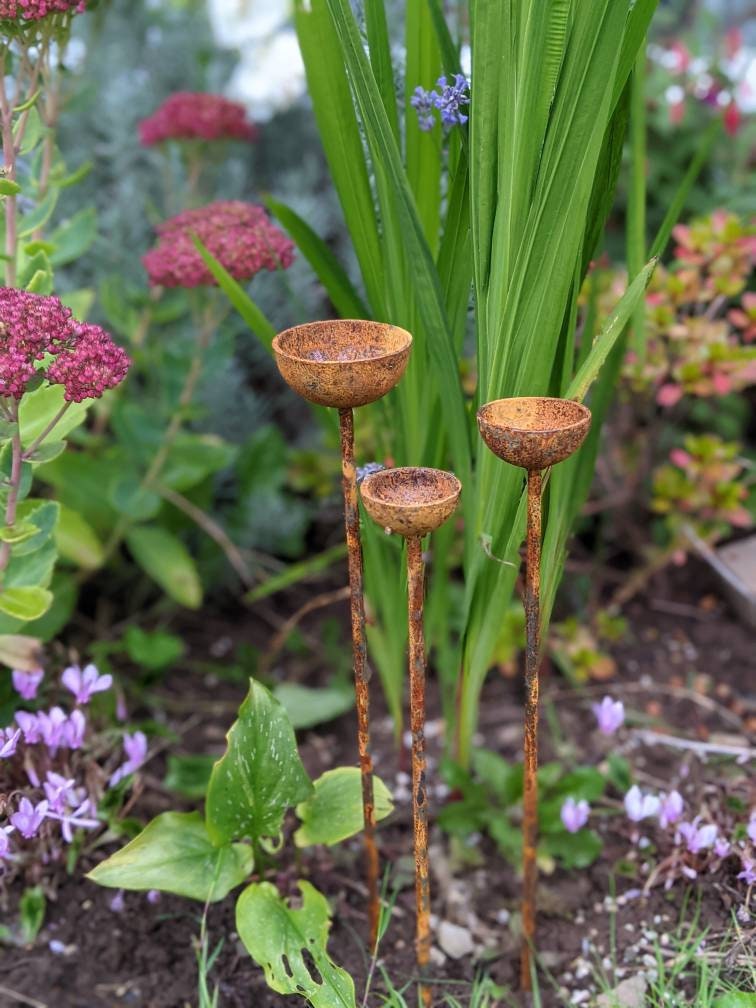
[343,364]
[414,502]
[533,433]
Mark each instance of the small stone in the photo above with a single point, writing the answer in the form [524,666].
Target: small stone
[437,957]
[631,993]
[456,941]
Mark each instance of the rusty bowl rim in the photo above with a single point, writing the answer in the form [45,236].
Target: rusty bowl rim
[585,415]
[279,351]
[406,505]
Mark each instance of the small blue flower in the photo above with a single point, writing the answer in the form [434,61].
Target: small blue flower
[368,469]
[423,102]
[452,99]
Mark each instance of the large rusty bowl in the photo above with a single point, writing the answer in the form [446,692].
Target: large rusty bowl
[344,362]
[411,501]
[534,432]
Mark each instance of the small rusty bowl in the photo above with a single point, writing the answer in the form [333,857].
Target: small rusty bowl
[344,362]
[534,432]
[411,501]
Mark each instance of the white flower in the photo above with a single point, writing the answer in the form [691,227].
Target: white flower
[639,806]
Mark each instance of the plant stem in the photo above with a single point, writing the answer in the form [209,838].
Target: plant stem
[636,201]
[28,452]
[15,484]
[9,172]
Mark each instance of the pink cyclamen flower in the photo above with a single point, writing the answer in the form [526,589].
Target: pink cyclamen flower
[5,832]
[26,684]
[117,904]
[84,684]
[153,896]
[8,742]
[748,874]
[29,817]
[751,828]
[697,838]
[193,115]
[29,725]
[670,808]
[74,730]
[60,791]
[80,818]
[239,235]
[135,748]
[51,727]
[722,847]
[35,10]
[574,814]
[639,806]
[610,715]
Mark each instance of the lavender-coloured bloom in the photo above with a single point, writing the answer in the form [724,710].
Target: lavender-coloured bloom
[424,102]
[610,715]
[135,747]
[84,684]
[153,896]
[722,847]
[117,904]
[697,838]
[5,832]
[748,875]
[8,742]
[29,725]
[574,814]
[51,727]
[26,684]
[74,730]
[670,808]
[80,818]
[639,806]
[452,99]
[751,828]
[29,817]
[59,791]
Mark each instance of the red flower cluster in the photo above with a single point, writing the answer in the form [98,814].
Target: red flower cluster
[239,235]
[189,115]
[32,326]
[35,10]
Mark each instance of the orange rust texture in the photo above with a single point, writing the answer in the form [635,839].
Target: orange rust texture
[530,783]
[411,500]
[357,606]
[415,579]
[533,432]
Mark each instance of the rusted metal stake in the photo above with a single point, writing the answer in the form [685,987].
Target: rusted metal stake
[530,782]
[359,651]
[415,585]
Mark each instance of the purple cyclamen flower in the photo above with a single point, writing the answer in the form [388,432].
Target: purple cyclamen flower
[51,727]
[574,814]
[80,818]
[153,896]
[8,742]
[135,747]
[697,838]
[453,98]
[423,102]
[74,730]
[5,832]
[59,791]
[751,828]
[639,806]
[29,818]
[748,875]
[117,904]
[722,847]
[610,715]
[26,684]
[670,808]
[29,725]
[83,684]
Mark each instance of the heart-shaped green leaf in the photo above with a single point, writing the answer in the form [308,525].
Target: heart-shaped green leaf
[333,811]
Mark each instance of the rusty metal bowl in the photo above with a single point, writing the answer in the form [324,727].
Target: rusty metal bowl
[344,362]
[411,501]
[534,432]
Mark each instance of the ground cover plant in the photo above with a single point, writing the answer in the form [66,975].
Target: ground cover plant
[552,200]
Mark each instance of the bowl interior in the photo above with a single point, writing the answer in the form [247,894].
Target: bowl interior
[411,487]
[342,340]
[535,414]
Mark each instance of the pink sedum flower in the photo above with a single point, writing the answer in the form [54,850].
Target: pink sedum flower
[90,366]
[193,115]
[610,715]
[35,10]
[639,806]
[26,684]
[29,817]
[670,808]
[85,683]
[574,814]
[239,235]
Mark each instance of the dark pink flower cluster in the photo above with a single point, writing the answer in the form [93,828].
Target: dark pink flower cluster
[33,327]
[239,235]
[35,10]
[192,115]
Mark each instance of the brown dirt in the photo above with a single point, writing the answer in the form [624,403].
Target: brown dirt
[684,668]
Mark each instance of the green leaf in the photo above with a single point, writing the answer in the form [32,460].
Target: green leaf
[129,498]
[33,569]
[74,237]
[39,408]
[46,452]
[260,775]
[33,130]
[25,603]
[735,999]
[44,515]
[189,775]
[308,706]
[155,650]
[276,936]
[173,853]
[18,532]
[573,850]
[194,457]
[8,187]
[77,541]
[40,215]
[328,269]
[333,812]
[166,560]
[502,778]
[32,906]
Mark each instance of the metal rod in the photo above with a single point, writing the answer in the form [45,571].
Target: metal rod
[415,586]
[359,652]
[530,781]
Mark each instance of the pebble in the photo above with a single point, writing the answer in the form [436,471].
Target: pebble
[580,997]
[456,941]
[631,993]
[502,916]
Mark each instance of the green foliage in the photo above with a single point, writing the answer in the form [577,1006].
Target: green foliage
[167,561]
[32,906]
[307,706]
[333,811]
